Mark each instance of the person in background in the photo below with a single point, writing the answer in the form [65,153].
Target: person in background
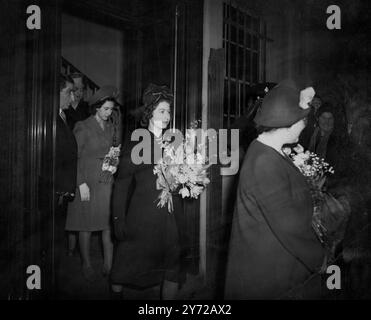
[306,134]
[65,150]
[79,108]
[325,141]
[90,210]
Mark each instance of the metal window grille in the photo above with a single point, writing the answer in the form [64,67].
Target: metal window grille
[244,40]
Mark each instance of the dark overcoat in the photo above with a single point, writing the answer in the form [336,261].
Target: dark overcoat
[65,158]
[273,248]
[93,144]
[148,250]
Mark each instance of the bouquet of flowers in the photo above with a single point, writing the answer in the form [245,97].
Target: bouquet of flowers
[109,165]
[314,170]
[181,170]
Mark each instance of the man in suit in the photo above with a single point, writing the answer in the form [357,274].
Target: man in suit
[78,109]
[65,155]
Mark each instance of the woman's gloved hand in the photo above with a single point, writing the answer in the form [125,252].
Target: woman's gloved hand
[84,192]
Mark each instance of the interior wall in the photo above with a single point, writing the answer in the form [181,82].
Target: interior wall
[94,49]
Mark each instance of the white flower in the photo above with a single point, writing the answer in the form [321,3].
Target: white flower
[196,191]
[184,192]
[182,178]
[298,148]
[306,96]
[286,151]
[105,166]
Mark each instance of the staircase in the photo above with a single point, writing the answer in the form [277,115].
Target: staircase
[68,68]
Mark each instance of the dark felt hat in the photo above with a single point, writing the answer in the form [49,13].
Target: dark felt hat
[102,94]
[280,107]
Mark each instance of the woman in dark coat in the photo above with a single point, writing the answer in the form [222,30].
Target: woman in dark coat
[147,251]
[90,210]
[273,248]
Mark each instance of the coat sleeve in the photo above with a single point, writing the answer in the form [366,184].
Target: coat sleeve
[121,194]
[281,206]
[81,139]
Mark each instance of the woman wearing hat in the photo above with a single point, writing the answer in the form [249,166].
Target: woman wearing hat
[147,251]
[273,248]
[323,141]
[90,210]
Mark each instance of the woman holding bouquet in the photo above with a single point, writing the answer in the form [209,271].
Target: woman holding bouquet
[273,249]
[147,251]
[90,210]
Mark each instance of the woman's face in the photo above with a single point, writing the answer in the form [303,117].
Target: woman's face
[326,122]
[105,111]
[161,115]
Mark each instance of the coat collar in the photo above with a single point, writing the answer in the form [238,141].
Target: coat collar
[106,133]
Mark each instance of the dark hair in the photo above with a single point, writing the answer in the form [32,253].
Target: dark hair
[325,107]
[148,110]
[63,79]
[77,75]
[93,108]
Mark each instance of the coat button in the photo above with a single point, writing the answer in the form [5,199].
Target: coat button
[115,218]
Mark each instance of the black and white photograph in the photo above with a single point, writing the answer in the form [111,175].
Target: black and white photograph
[185,151]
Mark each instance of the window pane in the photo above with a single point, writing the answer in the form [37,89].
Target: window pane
[247,65]
[227,54]
[240,63]
[255,26]
[255,43]
[233,61]
[225,104]
[233,34]
[241,93]
[241,19]
[241,37]
[233,100]
[233,14]
[255,67]
[248,40]
[248,22]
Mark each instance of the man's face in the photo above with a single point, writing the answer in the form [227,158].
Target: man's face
[65,97]
[78,92]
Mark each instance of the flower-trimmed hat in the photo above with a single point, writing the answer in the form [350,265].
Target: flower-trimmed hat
[284,105]
[152,95]
[103,93]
